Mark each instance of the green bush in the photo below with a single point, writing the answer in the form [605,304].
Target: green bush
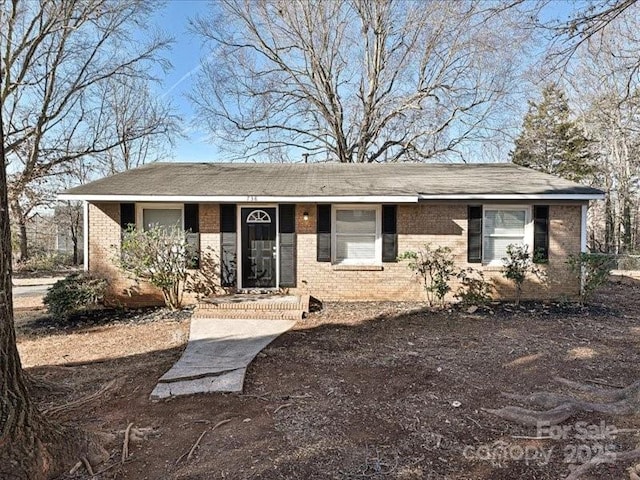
[474,288]
[160,256]
[592,270]
[518,265]
[75,293]
[435,267]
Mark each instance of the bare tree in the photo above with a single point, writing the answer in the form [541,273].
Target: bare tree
[595,54]
[612,124]
[593,22]
[359,80]
[30,445]
[55,58]
[143,124]
[69,214]
[591,19]
[610,113]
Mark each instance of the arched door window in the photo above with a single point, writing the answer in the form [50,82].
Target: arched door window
[258,216]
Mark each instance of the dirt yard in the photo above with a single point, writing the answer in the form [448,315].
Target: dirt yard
[355,391]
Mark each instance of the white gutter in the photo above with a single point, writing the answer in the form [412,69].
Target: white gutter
[241,198]
[514,196]
[326,199]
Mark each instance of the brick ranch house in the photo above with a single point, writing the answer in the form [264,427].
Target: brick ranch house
[335,230]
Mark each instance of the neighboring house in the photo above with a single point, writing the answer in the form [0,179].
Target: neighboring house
[335,230]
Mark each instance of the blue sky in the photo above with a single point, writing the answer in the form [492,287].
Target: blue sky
[185,57]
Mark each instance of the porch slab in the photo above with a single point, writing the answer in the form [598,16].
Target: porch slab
[269,306]
[217,355]
[262,301]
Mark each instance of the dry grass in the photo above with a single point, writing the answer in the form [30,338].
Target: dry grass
[370,391]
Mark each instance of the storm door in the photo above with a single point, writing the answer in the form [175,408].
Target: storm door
[258,247]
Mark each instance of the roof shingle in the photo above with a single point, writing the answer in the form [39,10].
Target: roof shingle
[330,180]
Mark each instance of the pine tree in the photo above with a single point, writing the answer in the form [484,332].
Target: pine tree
[551,141]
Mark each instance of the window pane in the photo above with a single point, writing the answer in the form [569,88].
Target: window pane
[504,222]
[495,248]
[502,228]
[163,217]
[355,247]
[356,221]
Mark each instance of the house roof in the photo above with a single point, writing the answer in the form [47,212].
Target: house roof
[391,182]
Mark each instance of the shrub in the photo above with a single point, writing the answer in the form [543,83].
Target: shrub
[592,271]
[518,265]
[474,289]
[161,256]
[75,293]
[45,262]
[435,266]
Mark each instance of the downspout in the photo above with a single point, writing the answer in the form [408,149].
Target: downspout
[85,235]
[583,228]
[583,243]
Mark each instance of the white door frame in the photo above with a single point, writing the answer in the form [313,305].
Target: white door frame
[239,208]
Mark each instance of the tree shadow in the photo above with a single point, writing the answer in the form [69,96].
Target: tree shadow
[87,320]
[357,382]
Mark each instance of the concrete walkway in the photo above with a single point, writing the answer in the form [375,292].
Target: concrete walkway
[217,355]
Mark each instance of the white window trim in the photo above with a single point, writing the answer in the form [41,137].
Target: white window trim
[140,207]
[378,241]
[528,229]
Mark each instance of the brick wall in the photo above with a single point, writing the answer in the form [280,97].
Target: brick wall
[437,223]
[104,247]
[209,217]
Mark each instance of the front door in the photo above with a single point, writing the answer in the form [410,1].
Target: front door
[258,247]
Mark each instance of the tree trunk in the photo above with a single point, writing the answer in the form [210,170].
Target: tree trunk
[22,230]
[22,453]
[74,240]
[609,226]
[24,247]
[626,224]
[75,251]
[30,446]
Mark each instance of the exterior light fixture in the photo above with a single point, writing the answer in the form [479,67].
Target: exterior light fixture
[305,216]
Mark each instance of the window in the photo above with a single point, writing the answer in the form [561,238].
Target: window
[356,238]
[258,216]
[166,216]
[501,227]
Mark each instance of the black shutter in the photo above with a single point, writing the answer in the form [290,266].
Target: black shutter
[228,236]
[228,217]
[127,215]
[192,227]
[389,234]
[287,215]
[191,220]
[474,234]
[541,233]
[324,233]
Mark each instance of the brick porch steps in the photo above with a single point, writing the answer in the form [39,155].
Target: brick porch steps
[254,306]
